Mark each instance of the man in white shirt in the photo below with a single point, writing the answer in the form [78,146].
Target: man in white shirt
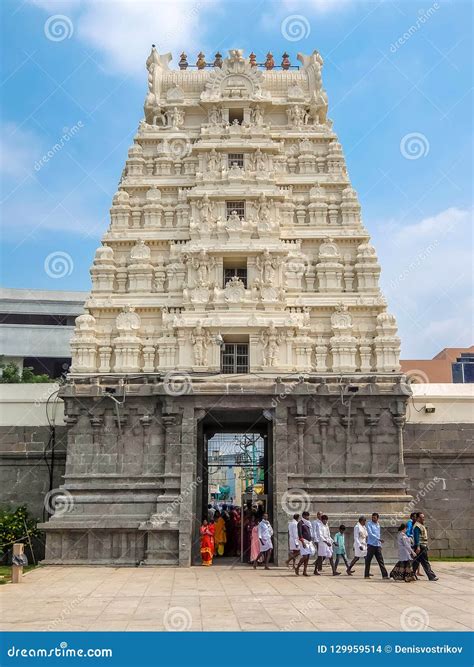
[325,548]
[316,526]
[293,541]
[265,532]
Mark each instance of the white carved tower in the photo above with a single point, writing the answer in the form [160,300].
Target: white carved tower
[236,242]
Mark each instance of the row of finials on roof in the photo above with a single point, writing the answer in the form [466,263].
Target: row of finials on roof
[218,61]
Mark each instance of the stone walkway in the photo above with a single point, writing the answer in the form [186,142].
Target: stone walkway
[225,598]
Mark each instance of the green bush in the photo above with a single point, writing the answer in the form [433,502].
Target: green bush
[12,374]
[12,527]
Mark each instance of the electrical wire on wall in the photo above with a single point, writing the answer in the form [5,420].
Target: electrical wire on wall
[49,450]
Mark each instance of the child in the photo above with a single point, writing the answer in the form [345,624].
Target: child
[340,548]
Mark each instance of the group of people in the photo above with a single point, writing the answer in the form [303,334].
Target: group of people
[313,538]
[220,533]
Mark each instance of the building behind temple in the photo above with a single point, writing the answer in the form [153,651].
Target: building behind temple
[235,291]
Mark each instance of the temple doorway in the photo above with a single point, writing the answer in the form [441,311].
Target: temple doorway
[236,481]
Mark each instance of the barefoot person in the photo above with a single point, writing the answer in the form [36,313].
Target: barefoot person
[207,542]
[265,532]
[254,543]
[360,542]
[340,548]
[220,536]
[316,525]
[293,541]
[325,549]
[403,570]
[374,547]
[305,535]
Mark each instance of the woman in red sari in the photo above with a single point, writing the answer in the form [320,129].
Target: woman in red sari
[207,542]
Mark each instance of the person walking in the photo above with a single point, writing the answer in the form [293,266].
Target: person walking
[265,532]
[360,543]
[316,527]
[254,543]
[293,541]
[325,549]
[220,536]
[207,542]
[403,570]
[420,547]
[307,549]
[374,547]
[409,531]
[340,549]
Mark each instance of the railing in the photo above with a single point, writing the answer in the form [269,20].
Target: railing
[257,65]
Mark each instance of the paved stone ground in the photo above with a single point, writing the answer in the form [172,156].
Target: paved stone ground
[224,598]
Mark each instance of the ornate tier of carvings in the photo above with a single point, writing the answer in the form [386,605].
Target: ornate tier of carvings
[234,164]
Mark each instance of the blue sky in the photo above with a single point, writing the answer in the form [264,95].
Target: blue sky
[399,80]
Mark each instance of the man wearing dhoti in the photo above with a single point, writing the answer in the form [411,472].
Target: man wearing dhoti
[325,548]
[293,541]
[307,549]
[265,532]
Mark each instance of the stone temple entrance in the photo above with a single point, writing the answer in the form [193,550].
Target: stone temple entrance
[234,455]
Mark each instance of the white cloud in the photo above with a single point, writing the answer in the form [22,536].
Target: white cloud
[427,279]
[123,30]
[318,6]
[19,149]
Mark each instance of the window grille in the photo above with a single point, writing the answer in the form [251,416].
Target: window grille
[235,358]
[238,206]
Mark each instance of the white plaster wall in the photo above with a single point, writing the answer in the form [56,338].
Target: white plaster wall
[454,404]
[25,405]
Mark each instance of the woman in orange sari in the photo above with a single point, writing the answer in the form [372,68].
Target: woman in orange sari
[207,542]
